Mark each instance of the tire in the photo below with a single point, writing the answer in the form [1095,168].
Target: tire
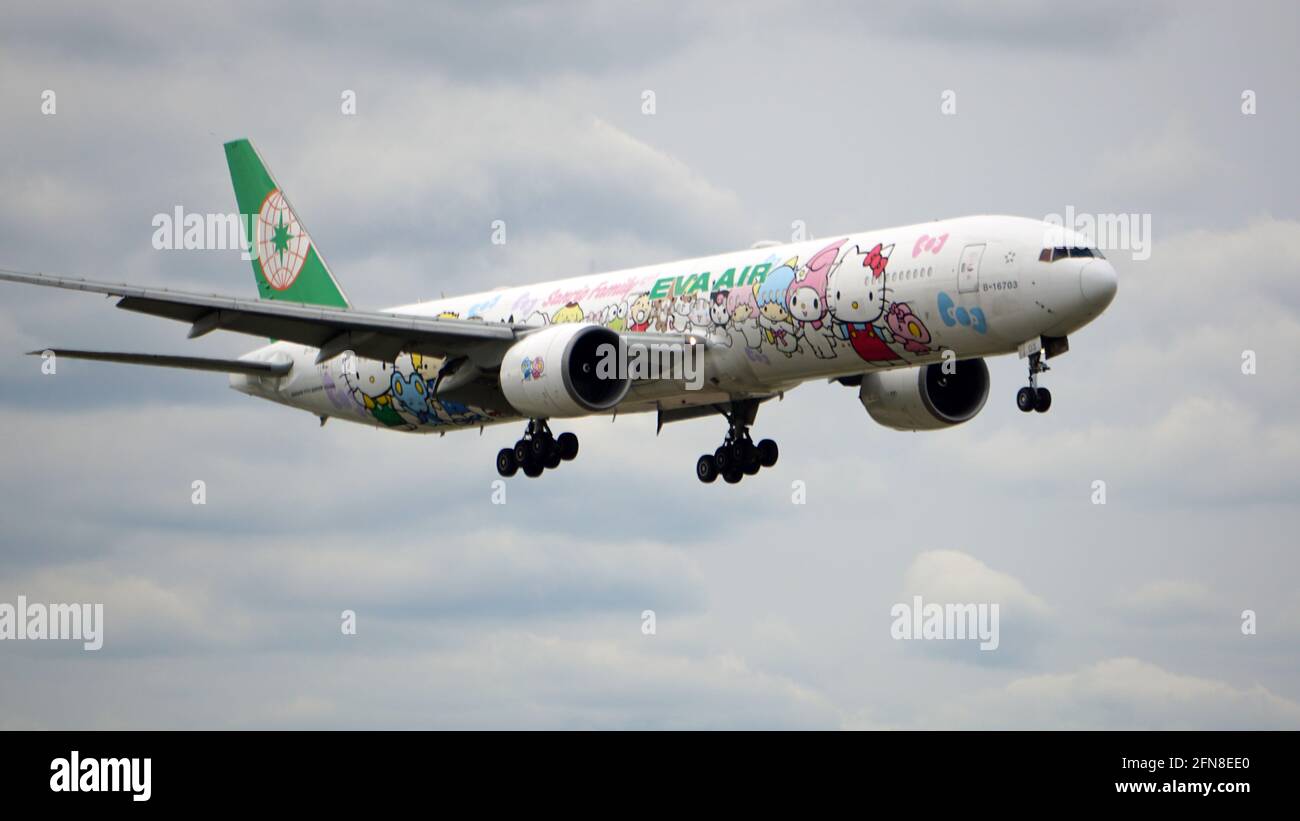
[767,453]
[1043,401]
[1026,400]
[706,468]
[723,458]
[552,460]
[507,465]
[748,457]
[542,447]
[532,469]
[731,477]
[567,444]
[522,452]
[751,468]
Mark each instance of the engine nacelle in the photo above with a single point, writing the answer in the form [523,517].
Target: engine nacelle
[926,398]
[553,373]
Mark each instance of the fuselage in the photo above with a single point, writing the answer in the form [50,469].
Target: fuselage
[773,317]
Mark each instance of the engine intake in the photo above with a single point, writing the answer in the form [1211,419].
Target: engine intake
[926,398]
[553,372]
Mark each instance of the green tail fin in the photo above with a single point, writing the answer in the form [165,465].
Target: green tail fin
[286,264]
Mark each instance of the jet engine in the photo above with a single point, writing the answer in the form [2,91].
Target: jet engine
[926,398]
[558,371]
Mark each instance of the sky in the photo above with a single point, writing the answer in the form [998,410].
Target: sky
[766,118]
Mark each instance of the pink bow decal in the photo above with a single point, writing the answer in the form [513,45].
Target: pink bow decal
[876,261]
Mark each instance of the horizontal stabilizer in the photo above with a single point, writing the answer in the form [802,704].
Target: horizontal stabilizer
[193,363]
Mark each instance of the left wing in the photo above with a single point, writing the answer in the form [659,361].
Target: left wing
[247,367]
[370,334]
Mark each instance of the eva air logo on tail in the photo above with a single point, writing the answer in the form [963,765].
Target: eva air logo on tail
[286,264]
[282,245]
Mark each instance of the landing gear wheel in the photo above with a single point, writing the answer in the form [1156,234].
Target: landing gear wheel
[532,468]
[1026,399]
[567,444]
[738,456]
[706,468]
[1043,400]
[542,447]
[507,465]
[522,452]
[552,460]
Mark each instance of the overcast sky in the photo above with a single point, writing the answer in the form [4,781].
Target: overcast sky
[768,614]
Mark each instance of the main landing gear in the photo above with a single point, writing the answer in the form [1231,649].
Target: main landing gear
[1032,397]
[738,456]
[537,451]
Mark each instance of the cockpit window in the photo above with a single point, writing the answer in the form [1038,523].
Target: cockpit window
[1053,254]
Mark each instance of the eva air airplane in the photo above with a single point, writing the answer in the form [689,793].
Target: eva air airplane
[906,315]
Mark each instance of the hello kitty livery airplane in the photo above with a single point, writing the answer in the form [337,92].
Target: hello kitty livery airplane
[907,315]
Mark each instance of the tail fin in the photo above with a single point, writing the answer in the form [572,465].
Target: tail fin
[286,264]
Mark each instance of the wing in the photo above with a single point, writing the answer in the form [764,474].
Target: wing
[192,363]
[371,334]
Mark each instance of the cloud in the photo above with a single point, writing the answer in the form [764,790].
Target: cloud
[1171,602]
[950,577]
[1158,165]
[1121,694]
[770,614]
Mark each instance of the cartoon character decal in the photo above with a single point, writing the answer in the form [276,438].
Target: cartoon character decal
[744,316]
[856,299]
[569,313]
[681,315]
[640,313]
[806,298]
[838,295]
[700,316]
[773,314]
[720,317]
[411,394]
[532,368]
[907,328]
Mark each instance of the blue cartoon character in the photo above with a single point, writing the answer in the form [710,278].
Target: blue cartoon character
[411,395]
[773,314]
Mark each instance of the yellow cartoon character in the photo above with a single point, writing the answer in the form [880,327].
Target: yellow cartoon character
[569,313]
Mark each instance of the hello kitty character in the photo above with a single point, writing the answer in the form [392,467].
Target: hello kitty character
[806,298]
[855,299]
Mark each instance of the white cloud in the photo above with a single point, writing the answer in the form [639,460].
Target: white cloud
[1120,694]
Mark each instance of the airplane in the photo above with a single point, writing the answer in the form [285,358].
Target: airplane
[906,315]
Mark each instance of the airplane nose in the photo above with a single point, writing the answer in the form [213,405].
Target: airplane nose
[1098,283]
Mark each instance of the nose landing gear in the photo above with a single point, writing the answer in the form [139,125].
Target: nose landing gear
[738,456]
[1032,397]
[537,451]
